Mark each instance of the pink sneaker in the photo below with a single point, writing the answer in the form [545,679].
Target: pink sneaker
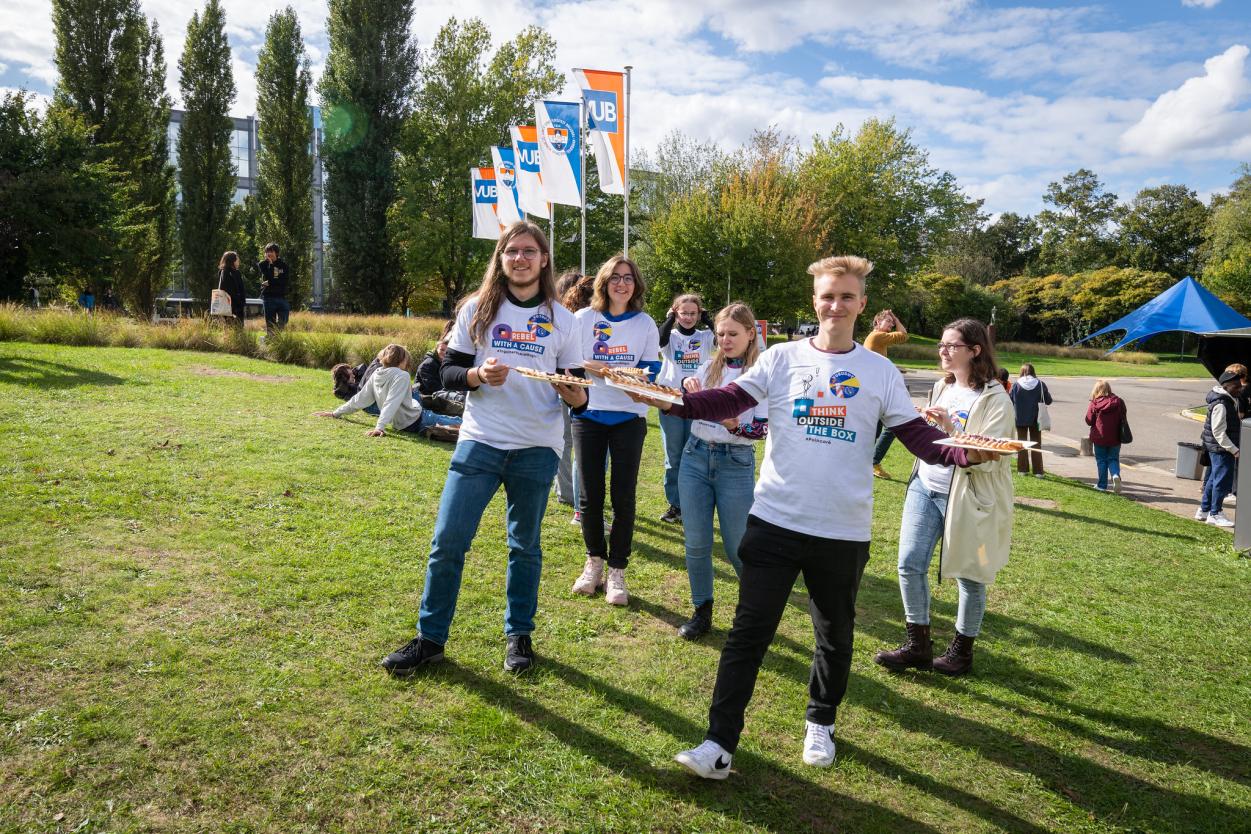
[592,578]
[616,593]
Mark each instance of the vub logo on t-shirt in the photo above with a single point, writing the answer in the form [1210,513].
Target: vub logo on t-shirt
[604,352]
[504,337]
[821,419]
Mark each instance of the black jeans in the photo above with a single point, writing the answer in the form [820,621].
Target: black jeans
[277,310]
[773,557]
[593,442]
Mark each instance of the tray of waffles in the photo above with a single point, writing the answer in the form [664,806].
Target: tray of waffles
[544,376]
[634,384]
[985,444]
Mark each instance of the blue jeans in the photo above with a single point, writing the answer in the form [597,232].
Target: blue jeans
[277,310]
[1108,462]
[1220,482]
[718,476]
[885,437]
[475,475]
[675,431]
[919,530]
[429,418]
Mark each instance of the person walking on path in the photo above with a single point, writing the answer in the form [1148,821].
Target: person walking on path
[1029,394]
[510,437]
[970,510]
[1105,415]
[1221,439]
[812,510]
[686,342]
[887,330]
[275,280]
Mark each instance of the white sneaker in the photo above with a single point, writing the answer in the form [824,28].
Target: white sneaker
[1219,520]
[592,578]
[616,593]
[819,744]
[1116,484]
[708,760]
[1201,515]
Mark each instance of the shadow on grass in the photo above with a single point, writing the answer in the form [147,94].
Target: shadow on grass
[39,373]
[1102,522]
[766,797]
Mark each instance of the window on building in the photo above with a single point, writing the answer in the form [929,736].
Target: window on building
[172,133]
[239,151]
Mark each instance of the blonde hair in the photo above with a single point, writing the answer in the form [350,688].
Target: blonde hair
[842,265]
[395,356]
[599,295]
[1239,369]
[1101,389]
[741,314]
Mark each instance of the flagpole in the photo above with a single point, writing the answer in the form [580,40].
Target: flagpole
[625,175]
[582,152]
[551,233]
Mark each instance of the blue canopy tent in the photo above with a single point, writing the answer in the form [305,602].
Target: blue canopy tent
[1184,306]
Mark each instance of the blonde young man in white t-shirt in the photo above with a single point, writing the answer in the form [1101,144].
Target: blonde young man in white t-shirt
[511,436]
[813,505]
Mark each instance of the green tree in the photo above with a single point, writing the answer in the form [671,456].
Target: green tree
[464,104]
[206,174]
[1227,244]
[62,204]
[284,164]
[1077,233]
[365,94]
[1162,230]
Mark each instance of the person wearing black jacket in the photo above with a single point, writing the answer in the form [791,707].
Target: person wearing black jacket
[230,279]
[275,278]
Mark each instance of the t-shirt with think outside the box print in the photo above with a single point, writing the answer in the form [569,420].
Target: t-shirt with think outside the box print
[817,474]
[521,413]
[684,355]
[958,400]
[627,341]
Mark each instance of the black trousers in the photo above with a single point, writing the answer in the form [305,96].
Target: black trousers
[773,557]
[593,442]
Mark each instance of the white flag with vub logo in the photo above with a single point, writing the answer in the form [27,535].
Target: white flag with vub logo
[486,224]
[560,154]
[507,206]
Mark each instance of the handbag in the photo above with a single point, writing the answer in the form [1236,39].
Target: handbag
[219,303]
[1044,414]
[1127,436]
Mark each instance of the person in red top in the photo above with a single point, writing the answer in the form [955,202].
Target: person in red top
[1104,415]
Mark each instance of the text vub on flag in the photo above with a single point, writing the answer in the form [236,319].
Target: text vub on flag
[530,196]
[604,92]
[486,222]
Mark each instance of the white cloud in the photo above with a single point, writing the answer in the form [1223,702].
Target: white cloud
[1203,4]
[1201,115]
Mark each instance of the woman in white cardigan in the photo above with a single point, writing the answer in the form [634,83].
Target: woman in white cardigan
[390,388]
[969,509]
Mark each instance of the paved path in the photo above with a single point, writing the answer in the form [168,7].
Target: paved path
[1147,465]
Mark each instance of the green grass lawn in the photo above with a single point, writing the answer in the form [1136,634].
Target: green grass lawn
[1170,366]
[197,581]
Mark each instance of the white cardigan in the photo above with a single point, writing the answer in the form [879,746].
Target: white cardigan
[392,390]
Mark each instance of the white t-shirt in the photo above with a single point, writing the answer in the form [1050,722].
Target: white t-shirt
[521,413]
[817,475]
[624,344]
[958,400]
[715,432]
[683,356]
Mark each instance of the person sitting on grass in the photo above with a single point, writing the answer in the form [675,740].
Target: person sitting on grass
[391,389]
[428,379]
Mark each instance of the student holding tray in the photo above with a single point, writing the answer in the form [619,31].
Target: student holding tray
[970,510]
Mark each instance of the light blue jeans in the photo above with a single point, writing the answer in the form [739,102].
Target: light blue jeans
[675,431]
[919,530]
[718,476]
[1108,462]
[476,473]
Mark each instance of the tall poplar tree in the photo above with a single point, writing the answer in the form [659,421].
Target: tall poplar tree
[365,95]
[206,174]
[284,165]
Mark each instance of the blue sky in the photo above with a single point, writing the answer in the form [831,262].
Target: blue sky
[1006,96]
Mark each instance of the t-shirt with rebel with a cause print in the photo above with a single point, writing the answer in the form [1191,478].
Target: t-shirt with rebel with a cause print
[817,474]
[521,413]
[684,355]
[626,341]
[957,400]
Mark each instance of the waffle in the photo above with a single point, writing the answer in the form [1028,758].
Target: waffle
[986,444]
[544,376]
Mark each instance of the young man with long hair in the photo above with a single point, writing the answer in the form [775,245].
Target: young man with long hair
[511,437]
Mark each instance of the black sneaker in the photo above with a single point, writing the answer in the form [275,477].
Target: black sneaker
[519,656]
[416,652]
[672,515]
[698,625]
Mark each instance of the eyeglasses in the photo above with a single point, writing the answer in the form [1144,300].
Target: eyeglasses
[948,347]
[529,253]
[621,279]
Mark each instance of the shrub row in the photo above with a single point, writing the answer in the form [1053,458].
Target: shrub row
[921,351]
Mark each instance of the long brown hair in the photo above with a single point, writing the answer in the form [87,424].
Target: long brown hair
[740,314]
[983,369]
[494,287]
[230,260]
[599,296]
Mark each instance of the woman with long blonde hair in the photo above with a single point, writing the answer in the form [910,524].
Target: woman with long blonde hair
[718,470]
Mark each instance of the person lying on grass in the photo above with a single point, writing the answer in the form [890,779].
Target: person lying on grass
[391,389]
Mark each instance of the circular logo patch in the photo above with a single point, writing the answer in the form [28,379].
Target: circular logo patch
[502,331]
[603,331]
[844,384]
[558,136]
[540,325]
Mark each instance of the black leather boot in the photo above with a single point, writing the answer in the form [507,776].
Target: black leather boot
[698,625]
[958,659]
[917,652]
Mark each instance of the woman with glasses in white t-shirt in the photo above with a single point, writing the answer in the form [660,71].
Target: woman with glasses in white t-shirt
[969,510]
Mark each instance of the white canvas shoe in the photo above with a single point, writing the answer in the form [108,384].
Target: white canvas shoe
[1219,520]
[592,578]
[1201,515]
[819,744]
[708,760]
[616,592]
[1116,484]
